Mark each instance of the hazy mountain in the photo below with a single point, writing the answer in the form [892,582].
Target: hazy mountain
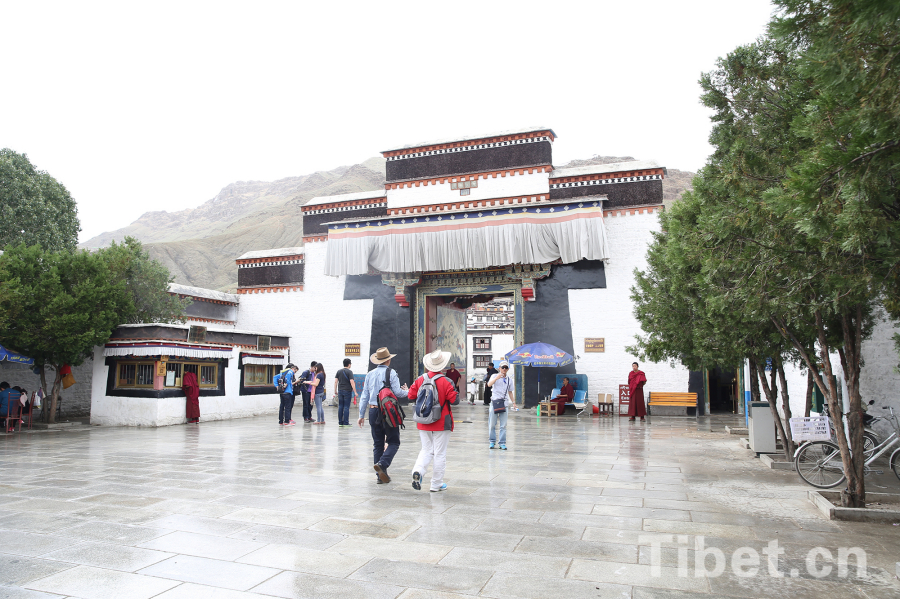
[199,245]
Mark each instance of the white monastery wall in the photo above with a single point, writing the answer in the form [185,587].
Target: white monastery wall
[318,319]
[146,411]
[499,186]
[501,344]
[608,314]
[879,379]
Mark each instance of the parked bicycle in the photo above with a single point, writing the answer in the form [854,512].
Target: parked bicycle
[819,462]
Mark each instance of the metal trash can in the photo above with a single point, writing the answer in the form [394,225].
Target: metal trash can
[762,427]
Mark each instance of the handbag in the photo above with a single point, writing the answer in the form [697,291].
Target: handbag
[499,405]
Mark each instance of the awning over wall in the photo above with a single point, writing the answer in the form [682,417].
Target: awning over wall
[266,360]
[531,234]
[157,348]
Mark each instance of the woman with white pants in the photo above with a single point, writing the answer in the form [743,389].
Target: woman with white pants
[435,435]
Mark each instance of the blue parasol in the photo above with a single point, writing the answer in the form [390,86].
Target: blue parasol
[12,356]
[539,354]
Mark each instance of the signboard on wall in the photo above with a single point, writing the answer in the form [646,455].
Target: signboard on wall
[595,345]
[624,399]
[352,349]
[161,368]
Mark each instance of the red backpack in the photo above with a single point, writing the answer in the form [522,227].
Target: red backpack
[390,413]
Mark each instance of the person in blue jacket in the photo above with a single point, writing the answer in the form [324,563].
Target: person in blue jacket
[287,397]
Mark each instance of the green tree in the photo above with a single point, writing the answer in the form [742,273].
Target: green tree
[35,208]
[61,305]
[146,282]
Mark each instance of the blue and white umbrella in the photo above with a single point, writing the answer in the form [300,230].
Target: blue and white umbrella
[11,356]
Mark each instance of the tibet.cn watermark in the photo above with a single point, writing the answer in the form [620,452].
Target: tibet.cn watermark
[746,562]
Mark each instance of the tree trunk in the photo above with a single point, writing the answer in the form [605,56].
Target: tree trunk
[754,382]
[854,495]
[810,383]
[771,392]
[54,394]
[46,395]
[851,358]
[785,408]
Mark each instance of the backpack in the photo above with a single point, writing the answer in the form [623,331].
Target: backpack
[282,382]
[428,406]
[390,413]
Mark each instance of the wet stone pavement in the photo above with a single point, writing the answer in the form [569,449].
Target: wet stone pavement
[595,507]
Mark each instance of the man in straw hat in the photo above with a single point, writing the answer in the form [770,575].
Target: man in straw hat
[368,403]
[436,435]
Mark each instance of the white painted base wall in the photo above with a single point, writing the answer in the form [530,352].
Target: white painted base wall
[609,314]
[141,411]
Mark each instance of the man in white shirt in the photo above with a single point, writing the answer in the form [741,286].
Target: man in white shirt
[502,398]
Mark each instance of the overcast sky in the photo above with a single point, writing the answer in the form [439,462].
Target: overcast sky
[157,106]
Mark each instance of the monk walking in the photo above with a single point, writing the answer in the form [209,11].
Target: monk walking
[636,380]
[192,394]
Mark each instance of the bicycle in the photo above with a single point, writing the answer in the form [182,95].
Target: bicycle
[819,462]
[870,439]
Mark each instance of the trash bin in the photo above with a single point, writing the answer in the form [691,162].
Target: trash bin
[762,427]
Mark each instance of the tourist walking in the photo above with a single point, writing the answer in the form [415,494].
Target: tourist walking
[287,395]
[491,371]
[345,391]
[305,394]
[636,381]
[317,389]
[502,399]
[368,405]
[435,435]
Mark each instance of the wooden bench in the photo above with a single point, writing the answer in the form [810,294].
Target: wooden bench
[666,400]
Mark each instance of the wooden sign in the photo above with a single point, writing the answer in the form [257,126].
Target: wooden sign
[161,368]
[624,399]
[595,345]
[352,349]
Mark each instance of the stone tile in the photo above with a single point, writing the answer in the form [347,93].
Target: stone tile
[307,586]
[410,551]
[699,528]
[465,538]
[18,570]
[31,544]
[105,555]
[426,576]
[504,561]
[638,513]
[429,594]
[536,587]
[191,543]
[301,559]
[273,518]
[122,534]
[116,500]
[189,590]
[211,572]
[381,530]
[98,583]
[195,508]
[44,505]
[13,592]
[538,530]
[595,521]
[198,524]
[548,506]
[289,536]
[279,504]
[619,573]
[570,548]
[38,522]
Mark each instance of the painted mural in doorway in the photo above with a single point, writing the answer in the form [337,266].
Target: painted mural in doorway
[451,334]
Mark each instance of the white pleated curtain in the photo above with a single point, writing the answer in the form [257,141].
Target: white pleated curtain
[573,237]
[181,352]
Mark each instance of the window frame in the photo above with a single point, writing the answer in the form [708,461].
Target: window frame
[267,377]
[178,366]
[482,360]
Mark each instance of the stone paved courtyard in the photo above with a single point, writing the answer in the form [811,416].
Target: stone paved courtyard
[245,509]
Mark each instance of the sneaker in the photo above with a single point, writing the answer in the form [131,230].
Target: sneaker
[280,424]
[382,474]
[378,481]
[291,423]
[503,446]
[492,445]
[443,488]
[417,481]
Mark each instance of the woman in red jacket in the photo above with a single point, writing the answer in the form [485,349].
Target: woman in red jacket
[435,436]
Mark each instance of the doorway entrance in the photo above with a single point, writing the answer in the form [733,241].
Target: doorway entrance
[722,390]
[442,300]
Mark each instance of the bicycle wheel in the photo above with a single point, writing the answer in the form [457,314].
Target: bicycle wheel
[819,464]
[895,462]
[870,442]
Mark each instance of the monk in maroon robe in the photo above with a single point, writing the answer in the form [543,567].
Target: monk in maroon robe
[566,395]
[636,381]
[192,393]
